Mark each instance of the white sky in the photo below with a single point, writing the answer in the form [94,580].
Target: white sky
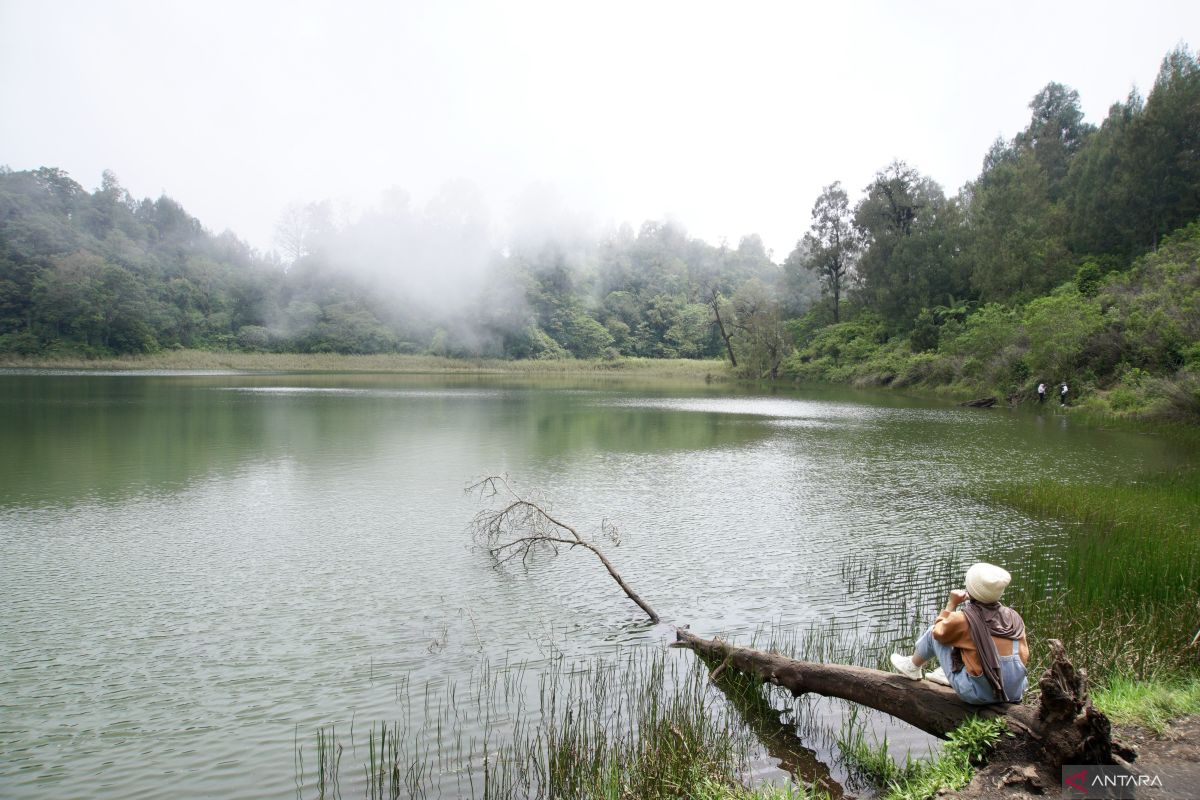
[729,117]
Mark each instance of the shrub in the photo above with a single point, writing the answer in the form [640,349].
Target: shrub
[253,337]
[1059,327]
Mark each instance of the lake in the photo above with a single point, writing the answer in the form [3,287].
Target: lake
[199,569]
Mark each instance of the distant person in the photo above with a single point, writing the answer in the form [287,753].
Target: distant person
[981,649]
[1062,395]
[1041,392]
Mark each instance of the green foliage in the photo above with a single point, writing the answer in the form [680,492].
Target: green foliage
[831,248]
[100,273]
[1128,348]
[833,352]
[924,335]
[1087,278]
[986,345]
[1151,703]
[764,339]
[966,747]
[584,336]
[913,243]
[1059,328]
[1017,247]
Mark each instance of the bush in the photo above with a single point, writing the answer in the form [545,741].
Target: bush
[924,336]
[253,337]
[1177,398]
[1060,327]
[22,343]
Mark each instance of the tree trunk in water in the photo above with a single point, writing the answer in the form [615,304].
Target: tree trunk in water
[1063,729]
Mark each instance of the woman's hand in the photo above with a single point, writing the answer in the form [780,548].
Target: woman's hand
[957,597]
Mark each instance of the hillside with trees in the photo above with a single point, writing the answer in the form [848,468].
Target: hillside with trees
[1071,257]
[100,273]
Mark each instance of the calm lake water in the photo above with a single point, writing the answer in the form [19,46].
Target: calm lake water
[198,570]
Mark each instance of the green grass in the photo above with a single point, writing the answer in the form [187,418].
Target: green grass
[919,779]
[391,362]
[1158,510]
[711,790]
[1151,704]
[1122,590]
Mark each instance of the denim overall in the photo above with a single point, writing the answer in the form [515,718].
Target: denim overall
[975,688]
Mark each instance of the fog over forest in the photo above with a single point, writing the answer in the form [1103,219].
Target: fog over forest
[1049,254]
[730,123]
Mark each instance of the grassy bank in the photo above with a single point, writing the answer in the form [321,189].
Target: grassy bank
[1152,703]
[681,368]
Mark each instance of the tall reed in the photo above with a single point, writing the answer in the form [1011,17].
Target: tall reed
[644,723]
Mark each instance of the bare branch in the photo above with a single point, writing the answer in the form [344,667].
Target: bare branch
[519,526]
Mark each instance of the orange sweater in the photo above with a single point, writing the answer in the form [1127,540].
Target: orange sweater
[951,629]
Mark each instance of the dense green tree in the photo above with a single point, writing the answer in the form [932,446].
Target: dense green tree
[765,341]
[831,246]
[1138,177]
[1055,133]
[912,245]
[1018,248]
[1165,151]
[1100,182]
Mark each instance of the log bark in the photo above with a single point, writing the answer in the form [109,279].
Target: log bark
[925,705]
[982,402]
[1063,729]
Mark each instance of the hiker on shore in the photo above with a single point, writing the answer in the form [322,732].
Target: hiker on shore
[1041,392]
[1062,395]
[980,648]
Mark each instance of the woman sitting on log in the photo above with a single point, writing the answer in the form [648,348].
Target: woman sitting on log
[981,648]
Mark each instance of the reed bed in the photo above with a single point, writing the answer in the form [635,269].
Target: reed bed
[1122,587]
[1152,704]
[1119,582]
[645,723]
[710,369]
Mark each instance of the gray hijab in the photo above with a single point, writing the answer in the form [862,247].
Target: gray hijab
[986,620]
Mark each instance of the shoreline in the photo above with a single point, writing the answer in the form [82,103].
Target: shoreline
[705,370]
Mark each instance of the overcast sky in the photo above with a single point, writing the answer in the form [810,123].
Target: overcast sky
[729,117]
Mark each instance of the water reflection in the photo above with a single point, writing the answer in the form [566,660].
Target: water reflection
[197,566]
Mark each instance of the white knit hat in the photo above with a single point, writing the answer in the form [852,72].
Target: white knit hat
[986,582]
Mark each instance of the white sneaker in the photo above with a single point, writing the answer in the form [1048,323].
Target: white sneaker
[938,676]
[905,666]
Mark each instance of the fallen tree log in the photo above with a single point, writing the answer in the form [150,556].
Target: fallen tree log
[1064,728]
[982,402]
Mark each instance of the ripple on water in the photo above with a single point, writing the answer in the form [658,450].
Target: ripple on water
[308,562]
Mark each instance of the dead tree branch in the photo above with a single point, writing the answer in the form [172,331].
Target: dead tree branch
[519,526]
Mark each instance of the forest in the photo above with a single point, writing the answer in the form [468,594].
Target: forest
[1071,257]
